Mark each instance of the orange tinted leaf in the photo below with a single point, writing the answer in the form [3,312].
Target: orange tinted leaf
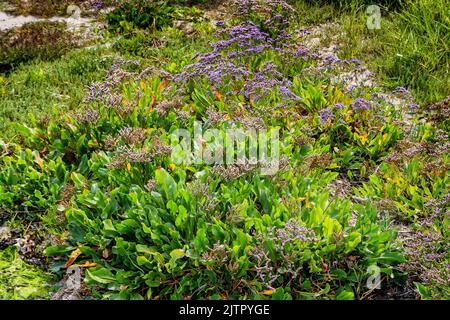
[152,103]
[163,84]
[72,257]
[218,95]
[38,159]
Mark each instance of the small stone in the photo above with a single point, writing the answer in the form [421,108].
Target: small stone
[5,233]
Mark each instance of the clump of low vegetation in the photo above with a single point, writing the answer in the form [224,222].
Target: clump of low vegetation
[20,280]
[45,40]
[51,8]
[141,14]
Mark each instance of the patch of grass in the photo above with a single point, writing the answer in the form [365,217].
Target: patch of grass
[19,280]
[3,5]
[44,8]
[162,46]
[313,14]
[346,4]
[39,87]
[45,40]
[410,50]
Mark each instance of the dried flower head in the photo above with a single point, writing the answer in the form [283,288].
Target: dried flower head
[88,116]
[132,136]
[151,185]
[162,108]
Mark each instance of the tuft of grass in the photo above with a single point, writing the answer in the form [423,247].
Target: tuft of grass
[42,86]
[312,14]
[410,50]
[160,47]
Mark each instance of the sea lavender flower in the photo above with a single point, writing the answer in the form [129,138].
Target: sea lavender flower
[97,5]
[151,185]
[351,88]
[159,148]
[163,107]
[113,101]
[401,90]
[326,115]
[362,104]
[377,96]
[88,116]
[265,81]
[331,60]
[129,154]
[225,64]
[132,135]
[97,91]
[220,23]
[291,232]
[215,116]
[338,106]
[110,142]
[303,52]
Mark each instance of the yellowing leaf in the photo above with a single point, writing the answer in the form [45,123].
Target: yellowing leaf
[128,166]
[267,292]
[308,205]
[152,103]
[364,139]
[72,257]
[89,264]
[163,84]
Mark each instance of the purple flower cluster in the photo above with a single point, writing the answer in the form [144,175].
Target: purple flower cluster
[265,80]
[403,93]
[362,104]
[305,53]
[227,64]
[97,5]
[107,91]
[401,90]
[269,270]
[325,115]
[338,106]
[88,116]
[291,232]
[100,91]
